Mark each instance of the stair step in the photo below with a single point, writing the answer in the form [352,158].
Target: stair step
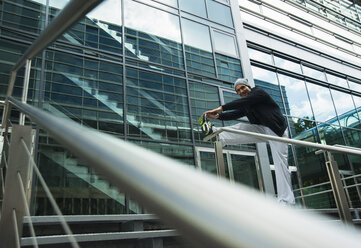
[98,237]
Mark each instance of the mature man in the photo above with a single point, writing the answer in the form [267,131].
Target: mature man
[265,117]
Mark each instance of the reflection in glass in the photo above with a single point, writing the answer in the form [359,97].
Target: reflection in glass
[203,97]
[260,56]
[196,35]
[321,102]
[178,152]
[287,64]
[264,75]
[308,71]
[198,48]
[229,69]
[157,106]
[150,20]
[245,170]
[225,43]
[108,11]
[197,7]
[336,80]
[355,86]
[149,41]
[295,97]
[219,13]
[344,105]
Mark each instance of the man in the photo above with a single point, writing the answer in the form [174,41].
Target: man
[266,118]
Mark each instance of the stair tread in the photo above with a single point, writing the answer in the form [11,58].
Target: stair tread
[93,237]
[89,218]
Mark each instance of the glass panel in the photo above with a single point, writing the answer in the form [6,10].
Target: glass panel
[225,43]
[181,153]
[229,69]
[344,106]
[357,101]
[336,80]
[321,102]
[287,64]
[197,7]
[355,86]
[219,13]
[198,48]
[264,75]
[150,20]
[157,106]
[196,35]
[260,56]
[26,15]
[203,97]
[244,170]
[108,11]
[308,71]
[295,97]
[297,103]
[149,41]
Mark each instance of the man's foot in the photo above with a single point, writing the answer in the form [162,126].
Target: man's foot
[206,125]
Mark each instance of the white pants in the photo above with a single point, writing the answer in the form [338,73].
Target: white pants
[279,154]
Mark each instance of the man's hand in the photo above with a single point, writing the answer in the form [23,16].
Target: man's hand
[214,113]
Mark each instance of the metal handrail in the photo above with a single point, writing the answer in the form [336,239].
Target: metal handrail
[336,148]
[208,210]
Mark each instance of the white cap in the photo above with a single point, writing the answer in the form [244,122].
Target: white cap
[241,81]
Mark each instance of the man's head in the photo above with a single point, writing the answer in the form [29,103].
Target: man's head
[242,87]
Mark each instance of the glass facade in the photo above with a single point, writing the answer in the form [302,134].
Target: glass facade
[144,71]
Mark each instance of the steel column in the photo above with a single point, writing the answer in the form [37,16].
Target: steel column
[219,158]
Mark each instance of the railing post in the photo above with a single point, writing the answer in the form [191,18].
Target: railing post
[337,189]
[219,157]
[25,89]
[18,162]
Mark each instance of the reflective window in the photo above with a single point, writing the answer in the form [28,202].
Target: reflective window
[295,97]
[311,72]
[157,106]
[260,56]
[229,69]
[355,86]
[108,11]
[203,97]
[344,105]
[197,7]
[287,64]
[198,48]
[150,20]
[196,35]
[357,101]
[336,80]
[219,13]
[225,43]
[264,75]
[321,102]
[149,41]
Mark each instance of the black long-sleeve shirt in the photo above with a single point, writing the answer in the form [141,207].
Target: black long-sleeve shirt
[259,108]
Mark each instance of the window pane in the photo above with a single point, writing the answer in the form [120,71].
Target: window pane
[157,106]
[260,56]
[229,69]
[321,102]
[264,75]
[344,105]
[308,71]
[295,97]
[197,7]
[336,80]
[287,64]
[355,86]
[225,43]
[150,20]
[109,11]
[196,35]
[220,13]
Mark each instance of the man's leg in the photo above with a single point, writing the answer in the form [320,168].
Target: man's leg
[283,175]
[236,139]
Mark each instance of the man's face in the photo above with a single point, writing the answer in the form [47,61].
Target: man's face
[242,90]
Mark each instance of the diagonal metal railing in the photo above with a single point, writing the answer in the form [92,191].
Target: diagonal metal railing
[207,210]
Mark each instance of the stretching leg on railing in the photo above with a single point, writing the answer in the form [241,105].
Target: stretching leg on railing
[279,154]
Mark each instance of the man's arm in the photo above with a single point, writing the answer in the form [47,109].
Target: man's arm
[256,96]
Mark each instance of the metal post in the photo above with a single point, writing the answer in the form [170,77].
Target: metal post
[337,189]
[219,158]
[18,162]
[24,97]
